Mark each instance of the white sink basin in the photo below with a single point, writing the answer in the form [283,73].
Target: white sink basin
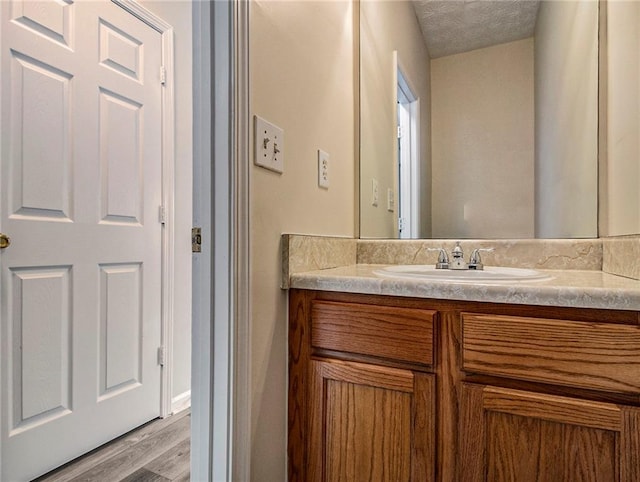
[490,274]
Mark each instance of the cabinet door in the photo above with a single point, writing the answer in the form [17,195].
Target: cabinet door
[370,423]
[513,435]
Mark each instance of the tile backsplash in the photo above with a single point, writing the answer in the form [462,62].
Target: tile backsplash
[621,256]
[308,253]
[521,253]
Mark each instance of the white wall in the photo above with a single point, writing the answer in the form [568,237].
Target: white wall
[620,194]
[178,14]
[387,27]
[566,91]
[482,143]
[302,79]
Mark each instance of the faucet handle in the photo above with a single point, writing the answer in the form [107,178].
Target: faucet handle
[443,258]
[475,261]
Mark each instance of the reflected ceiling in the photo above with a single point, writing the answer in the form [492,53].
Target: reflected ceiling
[455,26]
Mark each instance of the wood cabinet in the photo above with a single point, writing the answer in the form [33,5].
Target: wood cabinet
[370,422]
[389,388]
[509,434]
[515,435]
[361,391]
[592,355]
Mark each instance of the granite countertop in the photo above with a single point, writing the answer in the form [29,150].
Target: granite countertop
[573,288]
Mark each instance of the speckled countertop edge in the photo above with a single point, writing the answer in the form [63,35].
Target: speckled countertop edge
[567,288]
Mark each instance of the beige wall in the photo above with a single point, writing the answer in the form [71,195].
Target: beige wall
[483,140]
[385,27]
[566,90]
[302,79]
[620,191]
[178,15]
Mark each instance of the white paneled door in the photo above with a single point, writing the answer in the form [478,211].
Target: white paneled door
[81,189]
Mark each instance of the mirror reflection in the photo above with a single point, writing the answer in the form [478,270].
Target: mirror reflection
[478,119]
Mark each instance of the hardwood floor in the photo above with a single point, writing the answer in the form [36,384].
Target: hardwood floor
[155,452]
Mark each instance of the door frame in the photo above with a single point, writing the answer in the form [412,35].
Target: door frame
[221,376]
[166,213]
[408,172]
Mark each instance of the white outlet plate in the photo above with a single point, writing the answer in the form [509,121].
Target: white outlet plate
[374,192]
[323,169]
[268,140]
[390,200]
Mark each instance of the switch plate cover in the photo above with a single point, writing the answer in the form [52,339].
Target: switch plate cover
[269,145]
[323,169]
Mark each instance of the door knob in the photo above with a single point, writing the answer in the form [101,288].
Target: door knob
[4,241]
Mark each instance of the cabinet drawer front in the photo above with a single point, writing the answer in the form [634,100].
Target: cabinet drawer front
[596,356]
[403,334]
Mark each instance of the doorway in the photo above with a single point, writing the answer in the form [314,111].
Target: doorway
[408,159]
[223,453]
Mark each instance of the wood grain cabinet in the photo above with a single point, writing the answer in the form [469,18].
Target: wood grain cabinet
[515,435]
[370,422]
[591,355]
[398,389]
[361,391]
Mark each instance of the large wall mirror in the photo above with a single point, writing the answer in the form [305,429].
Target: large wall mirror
[479,119]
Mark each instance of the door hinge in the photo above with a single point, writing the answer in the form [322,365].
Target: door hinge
[161,356]
[163,75]
[399,132]
[162,215]
[196,240]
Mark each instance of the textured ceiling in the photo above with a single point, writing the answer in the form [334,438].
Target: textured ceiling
[455,26]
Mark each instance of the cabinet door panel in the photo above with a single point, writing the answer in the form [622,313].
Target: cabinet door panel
[391,332]
[367,432]
[370,423]
[509,435]
[521,448]
[600,356]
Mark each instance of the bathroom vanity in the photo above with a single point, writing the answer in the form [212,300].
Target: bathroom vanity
[406,380]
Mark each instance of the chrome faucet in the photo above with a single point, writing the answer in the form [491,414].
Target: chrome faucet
[443,259]
[475,262]
[457,258]
[457,255]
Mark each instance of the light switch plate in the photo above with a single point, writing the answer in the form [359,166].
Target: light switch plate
[323,169]
[391,205]
[269,145]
